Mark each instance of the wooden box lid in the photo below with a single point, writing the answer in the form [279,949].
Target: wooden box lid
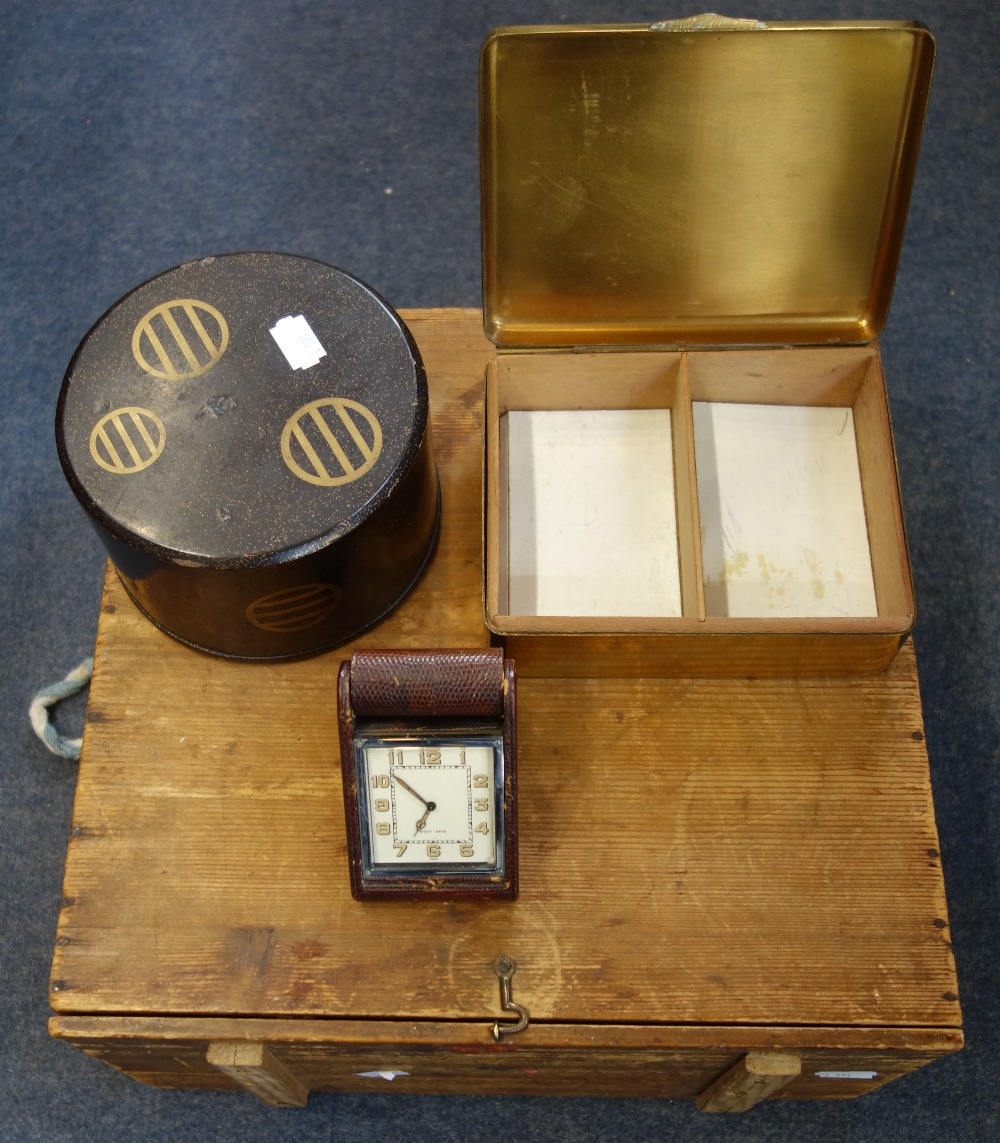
[712,851]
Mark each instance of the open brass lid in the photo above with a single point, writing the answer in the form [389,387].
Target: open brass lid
[699,182]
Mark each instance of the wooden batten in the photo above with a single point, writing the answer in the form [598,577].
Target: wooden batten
[749,1081]
[257,1070]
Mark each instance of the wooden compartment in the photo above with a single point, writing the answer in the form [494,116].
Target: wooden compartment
[590,459]
[770,510]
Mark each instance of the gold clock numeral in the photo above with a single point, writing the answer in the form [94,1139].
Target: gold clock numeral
[383,829]
[430,757]
[480,804]
[466,851]
[382,805]
[396,757]
[400,850]
[433,850]
[482,828]
[380,781]
[480,781]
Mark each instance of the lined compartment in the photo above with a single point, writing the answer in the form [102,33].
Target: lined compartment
[590,505]
[782,515]
[592,524]
[798,505]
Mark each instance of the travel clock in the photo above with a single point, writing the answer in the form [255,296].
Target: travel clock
[429,771]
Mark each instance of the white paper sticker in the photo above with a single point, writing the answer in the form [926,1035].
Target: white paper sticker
[386,1075]
[847,1075]
[296,340]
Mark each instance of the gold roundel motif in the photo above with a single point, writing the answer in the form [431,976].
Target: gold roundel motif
[294,608]
[331,441]
[127,440]
[182,338]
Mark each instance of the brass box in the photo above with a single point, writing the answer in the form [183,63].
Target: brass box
[690,237]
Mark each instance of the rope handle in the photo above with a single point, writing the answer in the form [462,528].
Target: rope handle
[47,697]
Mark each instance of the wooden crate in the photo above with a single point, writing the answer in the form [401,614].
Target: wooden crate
[730,888]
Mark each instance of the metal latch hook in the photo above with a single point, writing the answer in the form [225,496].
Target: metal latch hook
[505,968]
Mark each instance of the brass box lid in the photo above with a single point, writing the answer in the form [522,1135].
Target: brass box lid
[699,182]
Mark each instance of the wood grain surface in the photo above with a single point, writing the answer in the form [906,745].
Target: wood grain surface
[731,852]
[257,1070]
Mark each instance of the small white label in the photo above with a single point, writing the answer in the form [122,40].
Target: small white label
[296,340]
[386,1075]
[848,1075]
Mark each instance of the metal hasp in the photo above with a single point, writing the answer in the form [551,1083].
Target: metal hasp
[505,968]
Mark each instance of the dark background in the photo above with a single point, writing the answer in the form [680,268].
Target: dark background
[136,136]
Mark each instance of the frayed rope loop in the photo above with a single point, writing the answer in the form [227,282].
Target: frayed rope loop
[38,712]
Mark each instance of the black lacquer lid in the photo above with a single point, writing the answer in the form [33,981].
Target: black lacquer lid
[189,433]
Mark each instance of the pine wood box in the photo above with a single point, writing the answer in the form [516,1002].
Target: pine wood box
[690,237]
[759,911]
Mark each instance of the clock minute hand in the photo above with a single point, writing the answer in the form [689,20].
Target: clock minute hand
[428,805]
[406,786]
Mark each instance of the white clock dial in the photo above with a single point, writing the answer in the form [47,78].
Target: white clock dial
[431,803]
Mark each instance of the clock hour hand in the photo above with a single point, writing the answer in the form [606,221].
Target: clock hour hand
[428,806]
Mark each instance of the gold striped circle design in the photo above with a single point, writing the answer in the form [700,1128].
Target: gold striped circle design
[331,441]
[181,338]
[127,440]
[294,608]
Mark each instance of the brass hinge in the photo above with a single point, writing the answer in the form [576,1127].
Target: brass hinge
[708,22]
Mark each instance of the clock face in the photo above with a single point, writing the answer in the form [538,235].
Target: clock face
[431,807]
